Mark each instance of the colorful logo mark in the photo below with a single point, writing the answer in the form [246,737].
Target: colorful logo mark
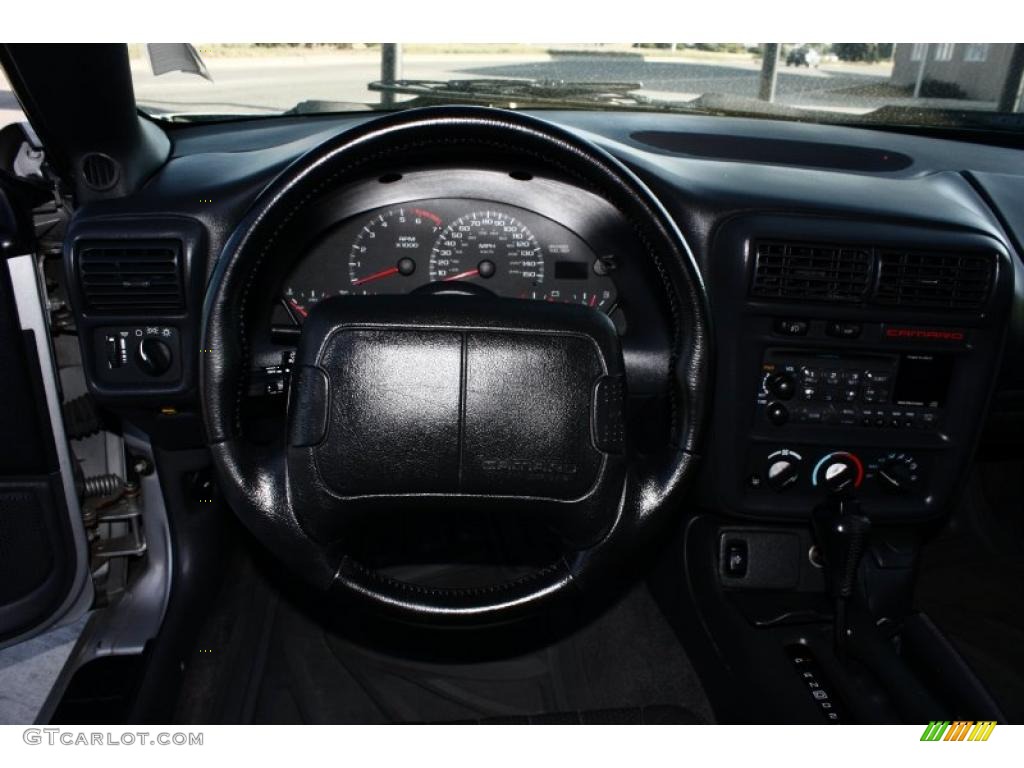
[959,730]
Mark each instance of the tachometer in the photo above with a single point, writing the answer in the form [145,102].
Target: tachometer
[391,246]
[489,247]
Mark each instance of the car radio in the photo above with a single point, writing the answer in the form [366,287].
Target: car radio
[889,391]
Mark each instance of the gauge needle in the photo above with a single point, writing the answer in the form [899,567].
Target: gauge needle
[298,307]
[376,276]
[467,273]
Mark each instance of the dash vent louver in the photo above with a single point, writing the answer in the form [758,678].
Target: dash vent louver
[912,278]
[928,279]
[100,172]
[141,278]
[811,271]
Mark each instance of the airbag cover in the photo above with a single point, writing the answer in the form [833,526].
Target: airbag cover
[456,396]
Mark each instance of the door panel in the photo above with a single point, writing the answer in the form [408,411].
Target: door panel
[43,552]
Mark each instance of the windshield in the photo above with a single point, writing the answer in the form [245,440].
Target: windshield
[947,84]
[909,83]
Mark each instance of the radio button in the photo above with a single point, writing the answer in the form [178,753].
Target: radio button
[781,385]
[777,414]
[812,416]
[848,417]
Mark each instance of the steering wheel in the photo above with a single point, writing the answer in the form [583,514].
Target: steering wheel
[400,404]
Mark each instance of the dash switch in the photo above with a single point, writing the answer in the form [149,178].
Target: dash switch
[117,350]
[734,558]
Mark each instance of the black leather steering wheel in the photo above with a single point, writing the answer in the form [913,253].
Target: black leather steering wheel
[427,383]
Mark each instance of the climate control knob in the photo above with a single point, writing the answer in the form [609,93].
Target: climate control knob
[838,472]
[783,469]
[897,473]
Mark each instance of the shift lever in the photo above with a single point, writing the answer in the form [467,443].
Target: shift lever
[841,533]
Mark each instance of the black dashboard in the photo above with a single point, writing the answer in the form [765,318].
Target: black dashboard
[865,312]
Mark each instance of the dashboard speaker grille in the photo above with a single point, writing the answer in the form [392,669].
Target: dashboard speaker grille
[141,278]
[811,271]
[936,280]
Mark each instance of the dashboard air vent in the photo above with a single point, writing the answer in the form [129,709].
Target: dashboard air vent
[141,278]
[933,280]
[811,271]
[100,171]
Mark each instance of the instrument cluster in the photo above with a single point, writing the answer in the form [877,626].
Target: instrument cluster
[506,250]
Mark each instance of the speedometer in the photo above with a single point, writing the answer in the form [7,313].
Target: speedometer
[489,247]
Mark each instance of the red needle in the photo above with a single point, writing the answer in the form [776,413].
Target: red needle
[298,308]
[593,300]
[467,273]
[376,276]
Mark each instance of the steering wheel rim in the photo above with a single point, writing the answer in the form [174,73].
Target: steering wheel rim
[258,481]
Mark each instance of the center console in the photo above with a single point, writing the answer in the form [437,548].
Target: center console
[855,362]
[853,358]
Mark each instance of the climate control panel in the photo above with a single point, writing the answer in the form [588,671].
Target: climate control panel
[816,473]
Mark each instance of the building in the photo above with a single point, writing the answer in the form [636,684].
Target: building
[979,69]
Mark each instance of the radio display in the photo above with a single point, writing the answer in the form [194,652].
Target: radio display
[923,380]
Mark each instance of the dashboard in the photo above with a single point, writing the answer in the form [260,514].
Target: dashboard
[501,249]
[864,319]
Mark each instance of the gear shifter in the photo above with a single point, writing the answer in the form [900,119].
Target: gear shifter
[841,533]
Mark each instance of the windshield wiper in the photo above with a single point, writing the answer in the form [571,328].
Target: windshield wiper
[526,93]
